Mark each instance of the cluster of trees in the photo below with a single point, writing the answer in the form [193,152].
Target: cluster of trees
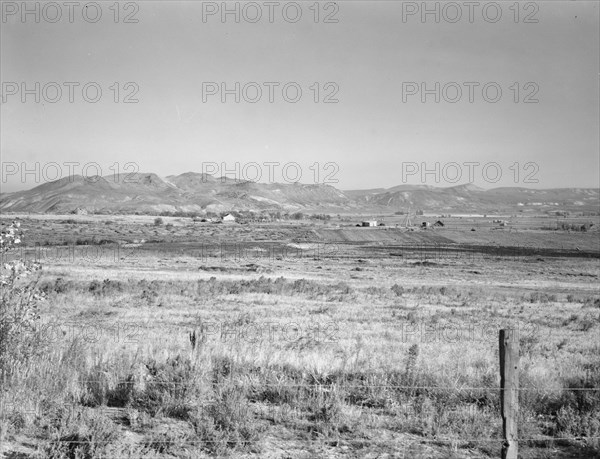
[243,215]
[566,213]
[249,215]
[324,217]
[400,212]
[575,226]
[240,215]
[164,213]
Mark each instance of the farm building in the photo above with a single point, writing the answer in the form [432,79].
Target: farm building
[228,218]
[369,223]
[439,223]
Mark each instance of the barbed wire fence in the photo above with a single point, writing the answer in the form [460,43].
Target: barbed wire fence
[509,391]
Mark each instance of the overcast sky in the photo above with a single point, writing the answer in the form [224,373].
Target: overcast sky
[369,55]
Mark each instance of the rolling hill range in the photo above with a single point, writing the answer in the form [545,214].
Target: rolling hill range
[469,198]
[189,192]
[195,192]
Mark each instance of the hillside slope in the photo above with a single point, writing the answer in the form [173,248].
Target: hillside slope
[195,192]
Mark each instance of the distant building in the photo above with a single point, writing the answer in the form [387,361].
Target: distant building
[228,218]
[425,225]
[439,223]
[369,223]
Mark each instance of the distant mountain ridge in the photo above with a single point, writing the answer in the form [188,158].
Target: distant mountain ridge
[196,192]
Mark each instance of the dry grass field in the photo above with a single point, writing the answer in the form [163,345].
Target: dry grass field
[296,341]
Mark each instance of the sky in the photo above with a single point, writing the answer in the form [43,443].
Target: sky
[376,63]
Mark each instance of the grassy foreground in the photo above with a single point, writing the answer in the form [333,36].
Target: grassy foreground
[175,357]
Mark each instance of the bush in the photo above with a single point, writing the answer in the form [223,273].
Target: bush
[397,289]
[541,297]
[86,435]
[158,221]
[19,340]
[227,422]
[169,387]
[98,288]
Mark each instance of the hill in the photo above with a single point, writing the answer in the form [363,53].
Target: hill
[195,192]
[188,192]
[471,199]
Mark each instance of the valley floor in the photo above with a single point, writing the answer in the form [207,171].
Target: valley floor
[359,353]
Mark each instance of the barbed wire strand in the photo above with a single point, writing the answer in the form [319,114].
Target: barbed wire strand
[355,386]
[428,440]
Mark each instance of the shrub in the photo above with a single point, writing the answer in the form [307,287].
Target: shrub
[87,435]
[169,387]
[19,340]
[158,221]
[397,289]
[541,297]
[227,422]
[105,287]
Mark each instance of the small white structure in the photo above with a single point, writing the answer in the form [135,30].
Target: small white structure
[228,218]
[369,223]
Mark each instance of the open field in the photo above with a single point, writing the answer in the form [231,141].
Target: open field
[312,341]
[524,232]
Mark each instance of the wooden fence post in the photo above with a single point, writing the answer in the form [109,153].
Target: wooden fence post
[509,392]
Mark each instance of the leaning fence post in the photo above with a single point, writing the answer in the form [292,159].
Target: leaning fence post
[509,392]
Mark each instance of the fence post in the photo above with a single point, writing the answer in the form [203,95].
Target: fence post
[509,392]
